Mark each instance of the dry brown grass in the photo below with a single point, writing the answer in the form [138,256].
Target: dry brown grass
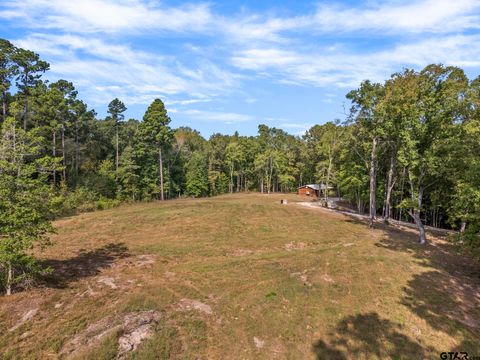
[281,281]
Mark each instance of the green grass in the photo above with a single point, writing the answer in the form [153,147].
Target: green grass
[308,283]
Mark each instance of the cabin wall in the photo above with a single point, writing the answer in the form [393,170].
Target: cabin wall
[304,191]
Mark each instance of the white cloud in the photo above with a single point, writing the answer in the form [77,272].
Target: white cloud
[345,68]
[297,125]
[187,101]
[108,15]
[88,42]
[214,116]
[137,16]
[438,16]
[103,70]
[391,17]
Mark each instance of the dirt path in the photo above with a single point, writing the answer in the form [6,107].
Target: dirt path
[315,205]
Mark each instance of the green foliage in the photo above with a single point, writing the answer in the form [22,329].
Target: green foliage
[153,139]
[25,203]
[470,240]
[116,108]
[197,176]
[416,136]
[128,175]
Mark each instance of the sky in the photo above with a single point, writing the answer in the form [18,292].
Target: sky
[226,66]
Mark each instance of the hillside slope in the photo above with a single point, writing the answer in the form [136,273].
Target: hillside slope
[242,277]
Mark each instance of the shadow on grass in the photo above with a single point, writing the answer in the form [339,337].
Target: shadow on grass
[447,294]
[84,264]
[367,336]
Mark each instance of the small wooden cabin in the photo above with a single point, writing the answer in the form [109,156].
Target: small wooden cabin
[310,190]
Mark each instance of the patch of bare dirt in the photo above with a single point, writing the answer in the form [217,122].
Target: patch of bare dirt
[107,281]
[302,277]
[259,343]
[170,275]
[144,260]
[139,261]
[327,278]
[189,304]
[277,349]
[27,316]
[134,328]
[240,252]
[89,292]
[469,321]
[295,246]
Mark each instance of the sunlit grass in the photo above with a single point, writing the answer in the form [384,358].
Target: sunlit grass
[306,283]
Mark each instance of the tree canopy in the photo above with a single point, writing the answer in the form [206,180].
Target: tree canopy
[408,150]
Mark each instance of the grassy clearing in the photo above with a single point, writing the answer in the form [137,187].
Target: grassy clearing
[282,281]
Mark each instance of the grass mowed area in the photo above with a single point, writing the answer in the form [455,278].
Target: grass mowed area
[242,277]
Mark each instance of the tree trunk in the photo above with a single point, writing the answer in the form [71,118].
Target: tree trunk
[116,152]
[54,154]
[25,111]
[169,193]
[401,194]
[415,214]
[329,169]
[373,183]
[77,151]
[25,101]
[8,285]
[160,169]
[4,105]
[269,182]
[463,225]
[63,155]
[230,185]
[390,185]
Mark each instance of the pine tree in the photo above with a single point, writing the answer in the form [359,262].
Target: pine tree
[116,108]
[30,69]
[154,136]
[7,71]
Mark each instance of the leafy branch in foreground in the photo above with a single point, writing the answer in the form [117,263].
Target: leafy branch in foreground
[24,203]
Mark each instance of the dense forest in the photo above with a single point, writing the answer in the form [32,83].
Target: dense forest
[409,149]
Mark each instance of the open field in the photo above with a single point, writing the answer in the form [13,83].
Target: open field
[242,277]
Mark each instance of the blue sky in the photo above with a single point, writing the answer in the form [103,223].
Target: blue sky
[231,65]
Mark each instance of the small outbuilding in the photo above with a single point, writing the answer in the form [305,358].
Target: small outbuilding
[310,190]
[313,190]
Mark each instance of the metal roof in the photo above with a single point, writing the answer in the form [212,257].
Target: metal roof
[315,186]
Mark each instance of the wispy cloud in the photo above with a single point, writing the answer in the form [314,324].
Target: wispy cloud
[202,55]
[217,116]
[435,16]
[345,68]
[107,15]
[105,71]
[438,16]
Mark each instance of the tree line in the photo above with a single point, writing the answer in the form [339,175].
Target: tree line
[409,149]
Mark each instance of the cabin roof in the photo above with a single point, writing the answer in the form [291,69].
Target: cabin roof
[315,186]
[311,186]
